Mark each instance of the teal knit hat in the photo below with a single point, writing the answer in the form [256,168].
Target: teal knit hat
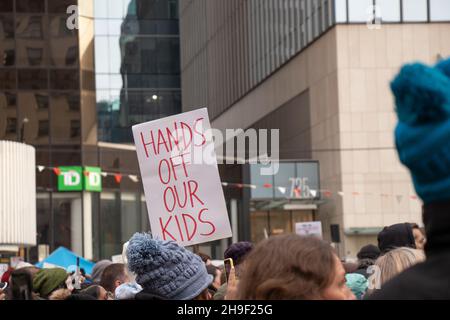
[357,283]
[422,136]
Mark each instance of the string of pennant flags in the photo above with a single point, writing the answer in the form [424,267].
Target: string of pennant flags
[283,190]
[324,192]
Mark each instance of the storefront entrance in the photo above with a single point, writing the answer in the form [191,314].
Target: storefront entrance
[273,222]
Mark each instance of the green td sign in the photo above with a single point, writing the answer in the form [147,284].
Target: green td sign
[93,179]
[75,179]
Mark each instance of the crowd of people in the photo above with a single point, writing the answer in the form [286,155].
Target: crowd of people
[281,267]
[407,262]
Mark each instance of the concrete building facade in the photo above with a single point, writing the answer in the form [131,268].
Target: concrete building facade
[249,60]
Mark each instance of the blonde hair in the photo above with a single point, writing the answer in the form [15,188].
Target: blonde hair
[395,261]
[60,294]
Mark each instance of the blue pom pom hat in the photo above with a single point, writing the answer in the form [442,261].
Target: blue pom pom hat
[422,136]
[165,269]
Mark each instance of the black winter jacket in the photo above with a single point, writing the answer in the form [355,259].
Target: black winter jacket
[429,280]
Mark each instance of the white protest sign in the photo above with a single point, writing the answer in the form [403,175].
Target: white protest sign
[313,228]
[181,180]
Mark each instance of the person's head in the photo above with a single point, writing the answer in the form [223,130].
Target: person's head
[238,252]
[396,261]
[293,267]
[217,275]
[422,135]
[350,267]
[113,276]
[205,258]
[48,280]
[419,237]
[396,236]
[21,284]
[60,294]
[96,291]
[370,251]
[165,269]
[80,296]
[358,284]
[127,291]
[98,269]
[367,255]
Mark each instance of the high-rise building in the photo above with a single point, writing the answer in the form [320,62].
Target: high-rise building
[318,70]
[137,64]
[73,91]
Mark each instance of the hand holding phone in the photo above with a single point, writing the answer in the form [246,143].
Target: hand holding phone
[229,265]
[3,286]
[232,285]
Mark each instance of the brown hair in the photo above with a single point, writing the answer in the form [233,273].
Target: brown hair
[113,272]
[287,267]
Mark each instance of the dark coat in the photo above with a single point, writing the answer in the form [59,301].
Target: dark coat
[431,279]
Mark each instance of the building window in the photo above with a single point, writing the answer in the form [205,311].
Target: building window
[32,79]
[388,10]
[7,26]
[75,128]
[43,129]
[415,10]
[72,56]
[33,29]
[6,6]
[11,100]
[440,10]
[359,10]
[35,56]
[9,57]
[30,6]
[73,100]
[11,125]
[340,9]
[41,101]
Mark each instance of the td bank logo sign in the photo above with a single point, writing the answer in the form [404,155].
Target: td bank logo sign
[77,179]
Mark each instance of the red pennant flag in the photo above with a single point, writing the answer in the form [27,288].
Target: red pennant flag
[118,177]
[297,192]
[240,186]
[57,171]
[267,185]
[86,173]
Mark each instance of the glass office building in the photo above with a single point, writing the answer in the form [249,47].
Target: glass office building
[45,90]
[137,64]
[71,92]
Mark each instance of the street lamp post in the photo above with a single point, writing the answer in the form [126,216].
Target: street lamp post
[22,129]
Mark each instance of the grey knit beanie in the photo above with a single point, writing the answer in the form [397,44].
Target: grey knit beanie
[165,269]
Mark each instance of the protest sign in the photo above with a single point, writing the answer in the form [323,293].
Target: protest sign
[313,228]
[181,180]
